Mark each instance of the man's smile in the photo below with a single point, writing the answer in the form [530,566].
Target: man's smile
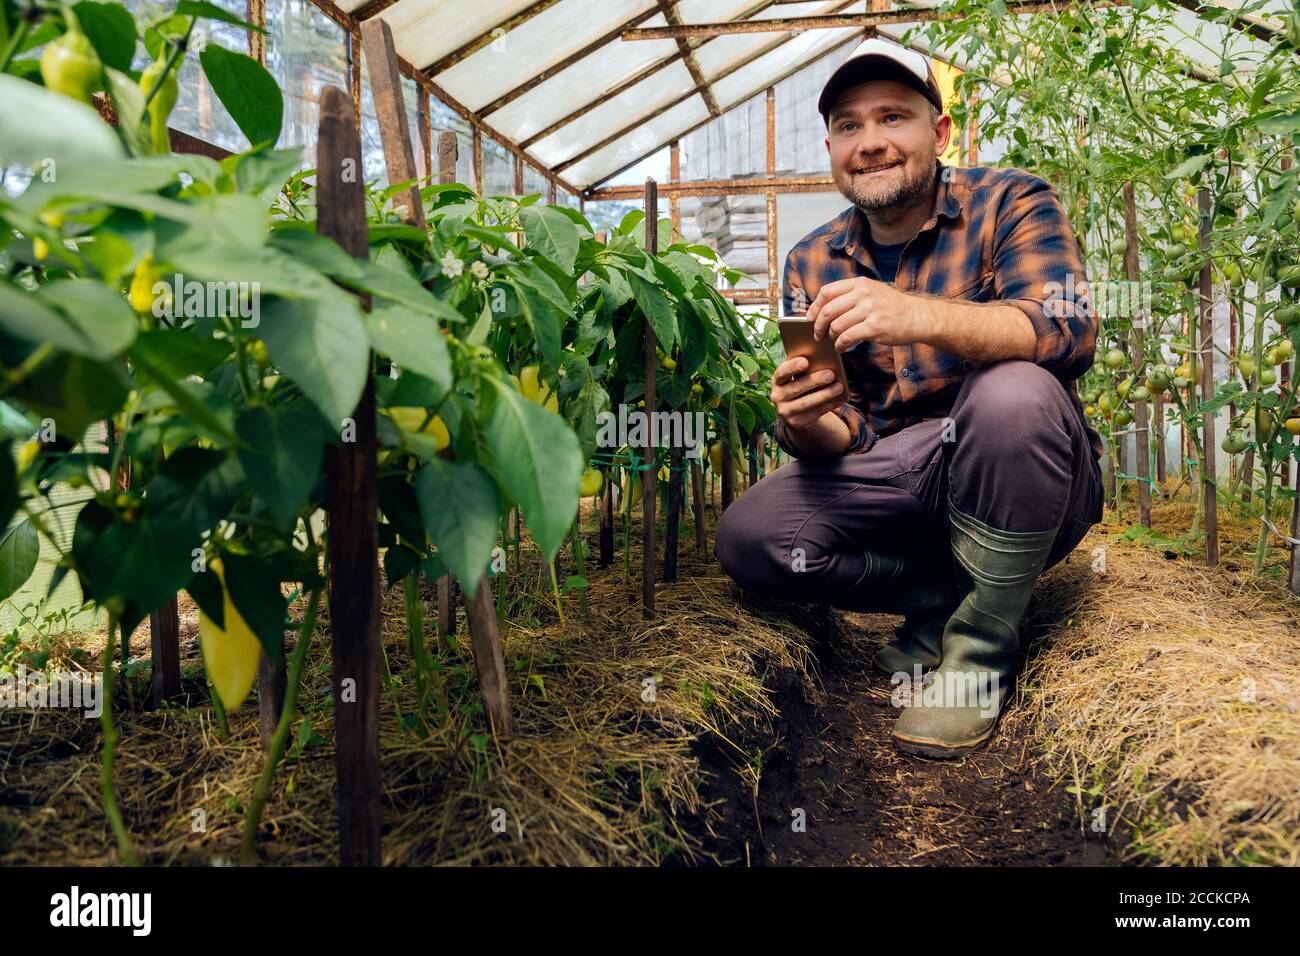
[876,170]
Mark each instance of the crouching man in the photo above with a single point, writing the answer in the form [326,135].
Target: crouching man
[959,465]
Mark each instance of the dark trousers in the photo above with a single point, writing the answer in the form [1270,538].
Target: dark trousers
[1013,454]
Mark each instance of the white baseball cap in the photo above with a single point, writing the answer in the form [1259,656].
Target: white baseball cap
[880,59]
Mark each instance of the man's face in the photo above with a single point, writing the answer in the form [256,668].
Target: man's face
[883,144]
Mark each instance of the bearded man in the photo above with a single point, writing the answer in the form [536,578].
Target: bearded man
[959,465]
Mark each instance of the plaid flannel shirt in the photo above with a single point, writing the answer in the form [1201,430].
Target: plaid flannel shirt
[995,235]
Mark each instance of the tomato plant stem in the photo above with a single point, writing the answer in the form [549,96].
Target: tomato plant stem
[280,739]
[107,793]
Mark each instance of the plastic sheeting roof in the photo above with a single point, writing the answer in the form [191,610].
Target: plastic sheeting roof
[663,104]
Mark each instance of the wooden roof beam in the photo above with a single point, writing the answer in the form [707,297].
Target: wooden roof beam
[669,8]
[833,21]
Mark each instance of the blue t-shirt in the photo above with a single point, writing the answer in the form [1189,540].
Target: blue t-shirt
[886,258]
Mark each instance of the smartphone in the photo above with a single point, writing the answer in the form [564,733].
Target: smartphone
[797,334]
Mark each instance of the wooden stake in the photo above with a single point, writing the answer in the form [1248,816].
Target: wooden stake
[272,681]
[165,644]
[394,133]
[352,508]
[1205,355]
[607,521]
[673,518]
[649,488]
[697,495]
[489,659]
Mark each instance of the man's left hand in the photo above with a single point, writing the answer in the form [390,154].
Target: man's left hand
[861,309]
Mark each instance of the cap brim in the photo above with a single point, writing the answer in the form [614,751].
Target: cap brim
[861,69]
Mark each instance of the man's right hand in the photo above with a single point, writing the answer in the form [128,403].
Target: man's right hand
[807,404]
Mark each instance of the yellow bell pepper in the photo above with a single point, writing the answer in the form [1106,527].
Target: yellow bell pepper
[141,293]
[411,419]
[230,655]
[591,483]
[534,391]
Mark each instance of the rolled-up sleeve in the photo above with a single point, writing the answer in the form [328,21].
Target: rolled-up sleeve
[1038,269]
[795,301]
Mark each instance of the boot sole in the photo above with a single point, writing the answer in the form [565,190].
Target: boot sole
[939,749]
[890,672]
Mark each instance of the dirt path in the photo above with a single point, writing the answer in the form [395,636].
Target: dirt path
[866,804]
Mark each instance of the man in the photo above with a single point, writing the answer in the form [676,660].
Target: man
[960,465]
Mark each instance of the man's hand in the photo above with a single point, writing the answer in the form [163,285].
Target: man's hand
[807,402]
[861,309]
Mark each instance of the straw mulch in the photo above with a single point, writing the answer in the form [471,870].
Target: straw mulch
[594,775]
[1167,695]
[1159,691]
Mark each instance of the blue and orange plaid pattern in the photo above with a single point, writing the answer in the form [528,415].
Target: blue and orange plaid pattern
[995,235]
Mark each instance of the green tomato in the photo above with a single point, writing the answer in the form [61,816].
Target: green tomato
[1139,394]
[1114,359]
[1267,378]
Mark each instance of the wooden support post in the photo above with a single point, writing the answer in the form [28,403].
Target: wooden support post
[675,175]
[165,645]
[478,161]
[649,488]
[607,520]
[489,659]
[773,275]
[697,497]
[256,10]
[354,74]
[394,133]
[1142,437]
[672,520]
[352,508]
[728,476]
[519,177]
[272,680]
[1205,350]
[448,152]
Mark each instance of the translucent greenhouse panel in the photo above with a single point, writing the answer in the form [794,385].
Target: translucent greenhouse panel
[411,94]
[535,182]
[606,215]
[758,75]
[536,45]
[198,111]
[427,30]
[734,144]
[800,131]
[658,131]
[306,51]
[498,169]
[443,117]
[620,113]
[372,146]
[580,85]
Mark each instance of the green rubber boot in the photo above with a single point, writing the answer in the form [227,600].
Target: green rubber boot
[925,594]
[996,570]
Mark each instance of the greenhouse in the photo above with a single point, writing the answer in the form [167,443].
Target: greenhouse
[583,434]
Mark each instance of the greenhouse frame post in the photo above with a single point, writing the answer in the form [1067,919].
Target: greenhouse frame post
[1205,354]
[352,505]
[649,486]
